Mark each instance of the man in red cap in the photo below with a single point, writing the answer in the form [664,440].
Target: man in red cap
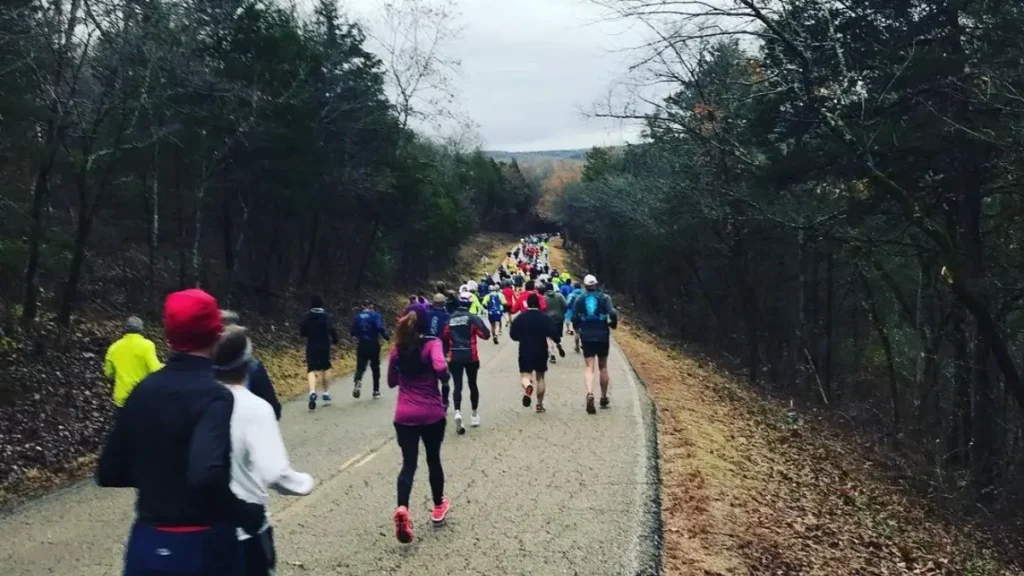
[172,443]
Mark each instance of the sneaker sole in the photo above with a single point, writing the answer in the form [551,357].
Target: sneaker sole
[441,521]
[527,400]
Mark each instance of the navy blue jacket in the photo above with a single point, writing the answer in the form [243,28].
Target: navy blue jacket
[368,327]
[172,443]
[260,385]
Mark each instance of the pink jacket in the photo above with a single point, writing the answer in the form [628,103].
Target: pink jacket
[419,398]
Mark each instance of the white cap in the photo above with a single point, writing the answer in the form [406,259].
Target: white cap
[472,286]
[590,280]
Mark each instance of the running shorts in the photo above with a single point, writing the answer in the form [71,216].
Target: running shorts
[318,361]
[529,365]
[508,308]
[494,317]
[599,349]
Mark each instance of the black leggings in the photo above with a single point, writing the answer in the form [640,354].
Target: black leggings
[260,556]
[368,354]
[409,442]
[472,369]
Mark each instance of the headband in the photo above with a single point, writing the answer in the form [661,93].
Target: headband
[244,359]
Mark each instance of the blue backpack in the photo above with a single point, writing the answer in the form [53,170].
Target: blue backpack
[494,304]
[594,309]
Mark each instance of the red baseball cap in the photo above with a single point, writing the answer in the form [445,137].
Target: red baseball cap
[192,320]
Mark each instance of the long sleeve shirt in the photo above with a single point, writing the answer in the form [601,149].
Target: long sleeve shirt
[368,327]
[419,398]
[172,443]
[128,361]
[259,460]
[318,330]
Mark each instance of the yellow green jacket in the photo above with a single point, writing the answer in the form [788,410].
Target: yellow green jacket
[128,361]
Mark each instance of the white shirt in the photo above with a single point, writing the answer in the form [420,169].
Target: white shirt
[258,458]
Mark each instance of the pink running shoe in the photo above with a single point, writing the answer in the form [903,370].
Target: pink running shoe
[403,525]
[440,511]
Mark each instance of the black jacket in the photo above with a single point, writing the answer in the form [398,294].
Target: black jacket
[318,330]
[532,330]
[172,443]
[260,385]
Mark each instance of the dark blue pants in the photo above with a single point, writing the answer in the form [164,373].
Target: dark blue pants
[214,551]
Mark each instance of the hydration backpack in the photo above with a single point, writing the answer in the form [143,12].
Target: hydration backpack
[494,304]
[594,308]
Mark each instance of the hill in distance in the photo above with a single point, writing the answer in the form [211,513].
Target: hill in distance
[502,156]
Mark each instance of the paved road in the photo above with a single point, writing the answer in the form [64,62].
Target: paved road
[556,493]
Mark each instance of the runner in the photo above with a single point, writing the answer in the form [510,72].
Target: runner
[415,366]
[258,457]
[518,279]
[368,329]
[460,335]
[556,307]
[520,304]
[438,317]
[171,442]
[532,329]
[129,360]
[510,296]
[593,315]
[259,380]
[318,330]
[494,304]
[565,288]
[474,301]
[577,290]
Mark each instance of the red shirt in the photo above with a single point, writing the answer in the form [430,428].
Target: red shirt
[520,304]
[510,295]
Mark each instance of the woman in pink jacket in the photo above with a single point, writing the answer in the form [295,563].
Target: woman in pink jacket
[415,367]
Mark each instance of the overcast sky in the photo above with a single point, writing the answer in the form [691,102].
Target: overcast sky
[531,68]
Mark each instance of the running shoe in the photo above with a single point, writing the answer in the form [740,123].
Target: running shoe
[327,398]
[553,359]
[474,421]
[590,404]
[540,408]
[561,351]
[527,397]
[458,423]
[357,389]
[440,511]
[312,401]
[403,525]
[376,394]
[495,338]
[604,401]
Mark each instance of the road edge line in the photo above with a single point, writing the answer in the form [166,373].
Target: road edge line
[649,548]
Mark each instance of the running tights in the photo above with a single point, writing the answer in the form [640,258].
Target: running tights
[409,441]
[471,369]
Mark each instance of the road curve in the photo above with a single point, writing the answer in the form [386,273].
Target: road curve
[532,494]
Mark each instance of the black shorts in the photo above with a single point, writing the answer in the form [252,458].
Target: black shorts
[599,349]
[508,308]
[528,365]
[318,361]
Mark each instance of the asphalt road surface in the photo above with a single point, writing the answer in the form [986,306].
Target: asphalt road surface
[538,494]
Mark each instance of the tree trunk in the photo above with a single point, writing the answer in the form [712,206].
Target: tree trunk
[198,234]
[154,228]
[365,259]
[40,192]
[830,292]
[883,336]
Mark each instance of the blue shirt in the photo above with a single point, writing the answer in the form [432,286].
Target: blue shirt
[368,326]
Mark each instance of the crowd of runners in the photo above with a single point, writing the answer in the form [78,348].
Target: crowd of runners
[198,438]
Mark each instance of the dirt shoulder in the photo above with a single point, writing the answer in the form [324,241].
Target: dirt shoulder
[750,487]
[59,409]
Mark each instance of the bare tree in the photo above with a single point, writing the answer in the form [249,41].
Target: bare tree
[414,36]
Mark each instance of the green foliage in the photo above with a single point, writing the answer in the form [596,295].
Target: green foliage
[797,199]
[224,143]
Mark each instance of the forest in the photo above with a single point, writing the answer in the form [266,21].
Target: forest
[828,194]
[243,146]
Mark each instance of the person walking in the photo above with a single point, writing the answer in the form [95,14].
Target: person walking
[368,329]
[318,330]
[415,366]
[171,442]
[129,360]
[258,457]
[593,317]
[532,329]
[258,381]
[463,358]
[556,307]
